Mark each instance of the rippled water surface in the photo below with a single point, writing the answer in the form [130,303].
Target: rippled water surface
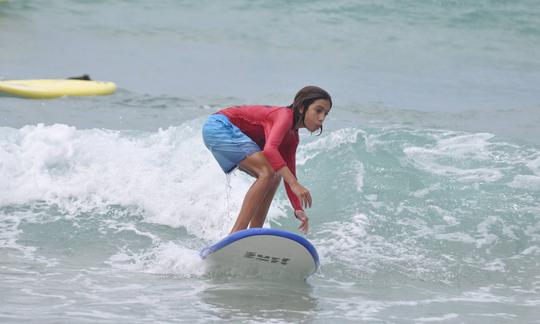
[426,179]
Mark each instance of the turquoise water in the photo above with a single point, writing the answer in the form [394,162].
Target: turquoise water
[426,180]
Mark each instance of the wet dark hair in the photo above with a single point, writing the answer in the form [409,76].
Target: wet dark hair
[304,98]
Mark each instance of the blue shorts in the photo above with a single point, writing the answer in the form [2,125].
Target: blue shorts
[227,142]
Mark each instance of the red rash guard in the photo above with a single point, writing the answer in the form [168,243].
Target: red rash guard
[272,129]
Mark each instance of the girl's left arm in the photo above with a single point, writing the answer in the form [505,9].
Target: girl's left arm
[299,213]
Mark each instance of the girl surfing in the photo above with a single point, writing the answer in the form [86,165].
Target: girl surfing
[262,141]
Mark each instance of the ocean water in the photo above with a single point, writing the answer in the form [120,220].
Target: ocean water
[426,179]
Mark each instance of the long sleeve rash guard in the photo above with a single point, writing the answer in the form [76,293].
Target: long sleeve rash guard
[272,129]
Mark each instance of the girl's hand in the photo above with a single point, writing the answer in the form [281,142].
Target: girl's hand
[302,217]
[302,194]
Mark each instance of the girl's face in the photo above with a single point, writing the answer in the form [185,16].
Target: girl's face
[316,113]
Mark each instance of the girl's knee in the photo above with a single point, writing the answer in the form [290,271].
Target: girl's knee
[276,180]
[267,173]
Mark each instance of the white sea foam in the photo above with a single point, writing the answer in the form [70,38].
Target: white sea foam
[360,173]
[456,237]
[165,258]
[442,318]
[528,182]
[534,165]
[495,265]
[456,156]
[325,143]
[533,250]
[170,175]
[10,231]
[485,235]
[446,215]
[425,191]
[351,241]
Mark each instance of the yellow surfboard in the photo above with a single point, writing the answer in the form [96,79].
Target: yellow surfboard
[42,89]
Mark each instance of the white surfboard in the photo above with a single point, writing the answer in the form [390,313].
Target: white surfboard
[262,252]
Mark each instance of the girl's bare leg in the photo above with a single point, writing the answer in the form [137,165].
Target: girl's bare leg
[260,215]
[256,165]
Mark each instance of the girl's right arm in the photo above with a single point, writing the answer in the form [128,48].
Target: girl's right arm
[304,221]
[302,193]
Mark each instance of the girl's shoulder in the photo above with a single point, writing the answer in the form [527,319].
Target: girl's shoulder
[258,112]
[279,110]
[268,108]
